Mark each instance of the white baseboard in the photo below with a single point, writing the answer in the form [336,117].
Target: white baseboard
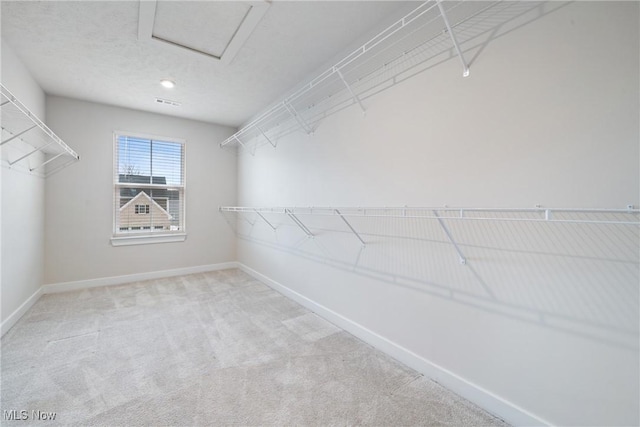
[105,281]
[128,278]
[20,311]
[472,392]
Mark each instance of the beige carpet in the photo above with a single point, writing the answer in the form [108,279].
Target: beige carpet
[216,348]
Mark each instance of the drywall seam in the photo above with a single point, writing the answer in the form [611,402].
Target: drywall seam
[470,391]
[13,318]
[128,278]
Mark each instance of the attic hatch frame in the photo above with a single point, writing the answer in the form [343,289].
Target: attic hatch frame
[22,125]
[285,110]
[238,37]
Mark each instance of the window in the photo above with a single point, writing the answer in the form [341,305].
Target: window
[148,189]
[142,209]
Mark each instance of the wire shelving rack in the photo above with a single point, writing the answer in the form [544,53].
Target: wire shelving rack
[36,145]
[428,29]
[626,217]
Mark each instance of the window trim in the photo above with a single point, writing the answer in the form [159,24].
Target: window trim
[155,236]
[147,240]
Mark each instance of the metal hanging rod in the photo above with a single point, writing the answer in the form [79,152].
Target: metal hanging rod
[353,230]
[265,220]
[465,65]
[628,216]
[324,84]
[353,94]
[21,124]
[34,151]
[17,135]
[299,223]
[463,259]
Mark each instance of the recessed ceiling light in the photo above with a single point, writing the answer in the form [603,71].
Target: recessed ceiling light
[169,84]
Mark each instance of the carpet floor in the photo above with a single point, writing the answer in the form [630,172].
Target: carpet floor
[216,348]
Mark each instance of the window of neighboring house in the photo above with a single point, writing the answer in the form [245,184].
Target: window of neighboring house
[149,189]
[142,209]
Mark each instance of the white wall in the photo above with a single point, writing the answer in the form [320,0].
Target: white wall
[544,317]
[79,199]
[22,255]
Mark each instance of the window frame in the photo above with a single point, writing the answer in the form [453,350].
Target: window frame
[152,235]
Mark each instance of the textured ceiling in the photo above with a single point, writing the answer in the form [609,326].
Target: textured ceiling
[208,27]
[90,50]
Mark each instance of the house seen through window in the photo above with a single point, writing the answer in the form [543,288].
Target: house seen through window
[148,185]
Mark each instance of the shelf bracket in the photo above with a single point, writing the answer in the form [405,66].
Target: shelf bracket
[242,217]
[465,67]
[48,161]
[463,260]
[29,153]
[292,111]
[350,227]
[264,219]
[298,222]
[239,142]
[11,138]
[355,97]
[243,146]
[266,137]
[59,168]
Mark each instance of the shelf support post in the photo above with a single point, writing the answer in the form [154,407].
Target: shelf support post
[265,136]
[350,227]
[11,138]
[463,260]
[51,172]
[239,142]
[243,218]
[292,111]
[355,97]
[298,222]
[465,67]
[48,161]
[242,145]
[265,219]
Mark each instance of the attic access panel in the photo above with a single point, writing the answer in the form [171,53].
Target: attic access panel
[215,29]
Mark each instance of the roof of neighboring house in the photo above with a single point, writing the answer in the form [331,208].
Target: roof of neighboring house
[145,179]
[143,195]
[142,179]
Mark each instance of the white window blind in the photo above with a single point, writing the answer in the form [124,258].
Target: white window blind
[149,186]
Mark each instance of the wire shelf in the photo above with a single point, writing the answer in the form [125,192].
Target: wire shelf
[576,270]
[425,32]
[628,216]
[444,217]
[35,144]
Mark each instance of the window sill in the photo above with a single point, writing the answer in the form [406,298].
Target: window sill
[147,240]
